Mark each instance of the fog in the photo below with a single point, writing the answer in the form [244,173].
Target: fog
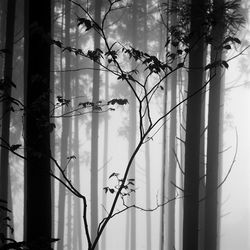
[150,221]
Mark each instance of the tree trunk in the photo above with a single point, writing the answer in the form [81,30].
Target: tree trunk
[105,158]
[3,18]
[132,130]
[165,152]
[52,135]
[6,110]
[192,154]
[172,149]
[37,129]
[65,131]
[147,146]
[213,139]
[77,230]
[95,131]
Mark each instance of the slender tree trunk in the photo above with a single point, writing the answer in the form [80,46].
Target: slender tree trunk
[6,110]
[37,129]
[192,153]
[147,146]
[182,132]
[165,157]
[52,135]
[65,133]
[94,132]
[132,129]
[172,149]
[213,140]
[77,230]
[105,158]
[69,194]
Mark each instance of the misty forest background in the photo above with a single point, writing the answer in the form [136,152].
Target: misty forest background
[124,124]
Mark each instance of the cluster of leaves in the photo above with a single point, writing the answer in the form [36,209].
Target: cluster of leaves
[127,188]
[152,63]
[98,106]
[10,244]
[62,101]
[179,32]
[226,45]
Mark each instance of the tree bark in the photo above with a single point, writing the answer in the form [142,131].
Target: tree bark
[214,137]
[37,124]
[192,153]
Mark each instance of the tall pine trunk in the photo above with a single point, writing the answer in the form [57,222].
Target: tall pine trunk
[37,124]
[213,139]
[194,104]
[95,131]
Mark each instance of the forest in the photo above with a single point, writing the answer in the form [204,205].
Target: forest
[124,125]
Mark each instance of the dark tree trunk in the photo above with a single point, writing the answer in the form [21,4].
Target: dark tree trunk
[6,110]
[213,139]
[194,104]
[3,5]
[37,124]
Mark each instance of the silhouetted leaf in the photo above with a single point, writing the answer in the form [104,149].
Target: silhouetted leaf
[57,43]
[227,47]
[15,147]
[180,65]
[237,40]
[71,157]
[225,64]
[113,174]
[5,208]
[84,21]
[118,101]
[111,190]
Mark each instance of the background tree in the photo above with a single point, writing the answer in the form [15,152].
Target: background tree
[95,130]
[66,95]
[7,84]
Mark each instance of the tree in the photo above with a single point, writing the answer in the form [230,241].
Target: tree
[192,144]
[172,142]
[77,230]
[94,130]
[214,137]
[65,130]
[7,84]
[37,124]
